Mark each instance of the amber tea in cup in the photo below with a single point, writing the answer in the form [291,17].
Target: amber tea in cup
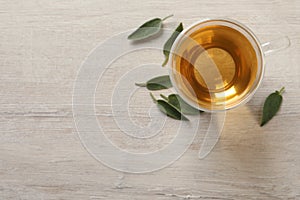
[216,64]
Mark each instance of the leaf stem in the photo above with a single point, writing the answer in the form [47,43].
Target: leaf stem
[167,17]
[153,98]
[165,61]
[141,84]
[281,90]
[164,97]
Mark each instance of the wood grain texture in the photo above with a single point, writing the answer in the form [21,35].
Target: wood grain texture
[42,45]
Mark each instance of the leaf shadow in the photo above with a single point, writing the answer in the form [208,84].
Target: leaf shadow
[255,106]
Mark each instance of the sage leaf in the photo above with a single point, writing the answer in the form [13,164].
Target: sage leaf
[148,29]
[157,83]
[169,43]
[168,109]
[181,105]
[271,106]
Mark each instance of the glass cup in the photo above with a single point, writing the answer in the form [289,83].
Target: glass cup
[218,64]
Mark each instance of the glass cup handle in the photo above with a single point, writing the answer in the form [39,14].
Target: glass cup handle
[276,45]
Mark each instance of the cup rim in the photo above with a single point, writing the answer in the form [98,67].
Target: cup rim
[249,95]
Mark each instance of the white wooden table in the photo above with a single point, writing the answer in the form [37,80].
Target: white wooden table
[42,46]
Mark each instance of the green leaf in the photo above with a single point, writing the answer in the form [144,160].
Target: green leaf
[181,105]
[148,29]
[169,43]
[157,83]
[170,110]
[271,106]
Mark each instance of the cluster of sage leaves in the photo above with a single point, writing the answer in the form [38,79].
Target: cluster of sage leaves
[173,105]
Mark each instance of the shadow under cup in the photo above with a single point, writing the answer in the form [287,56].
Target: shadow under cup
[216,64]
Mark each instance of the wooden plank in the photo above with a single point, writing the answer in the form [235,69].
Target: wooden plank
[42,45]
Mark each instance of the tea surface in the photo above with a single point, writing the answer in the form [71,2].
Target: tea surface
[219,66]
